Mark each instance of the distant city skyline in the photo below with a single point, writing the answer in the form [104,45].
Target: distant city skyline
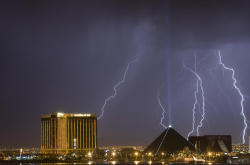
[61,56]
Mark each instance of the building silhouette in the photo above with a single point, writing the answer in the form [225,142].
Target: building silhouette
[68,132]
[212,143]
[249,145]
[170,141]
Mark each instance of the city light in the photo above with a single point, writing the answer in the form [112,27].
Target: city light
[59,114]
[89,154]
[82,115]
[136,162]
[113,154]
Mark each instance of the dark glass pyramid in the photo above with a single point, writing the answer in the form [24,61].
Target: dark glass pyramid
[170,141]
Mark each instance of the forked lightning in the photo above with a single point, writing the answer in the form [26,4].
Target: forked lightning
[108,99]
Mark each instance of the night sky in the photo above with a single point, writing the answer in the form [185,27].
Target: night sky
[67,55]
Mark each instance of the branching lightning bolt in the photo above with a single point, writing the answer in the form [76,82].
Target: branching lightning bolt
[108,99]
[240,93]
[199,84]
[163,110]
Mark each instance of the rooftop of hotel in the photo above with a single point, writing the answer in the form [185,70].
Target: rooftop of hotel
[61,114]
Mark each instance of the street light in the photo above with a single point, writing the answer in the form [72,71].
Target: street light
[209,155]
[136,154]
[162,155]
[136,162]
[89,154]
[113,154]
[150,154]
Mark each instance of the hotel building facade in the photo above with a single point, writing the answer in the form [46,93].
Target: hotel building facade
[67,132]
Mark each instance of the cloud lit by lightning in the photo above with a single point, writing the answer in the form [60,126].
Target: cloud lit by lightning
[200,83]
[163,110]
[240,93]
[108,99]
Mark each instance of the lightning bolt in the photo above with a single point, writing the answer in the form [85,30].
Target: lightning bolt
[200,85]
[240,93]
[195,103]
[194,107]
[109,98]
[163,110]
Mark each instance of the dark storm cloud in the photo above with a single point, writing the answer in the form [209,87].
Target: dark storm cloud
[67,56]
[209,23]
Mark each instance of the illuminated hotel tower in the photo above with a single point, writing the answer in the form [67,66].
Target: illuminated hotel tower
[67,132]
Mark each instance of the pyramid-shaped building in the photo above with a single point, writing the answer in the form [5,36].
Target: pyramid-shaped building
[170,141]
